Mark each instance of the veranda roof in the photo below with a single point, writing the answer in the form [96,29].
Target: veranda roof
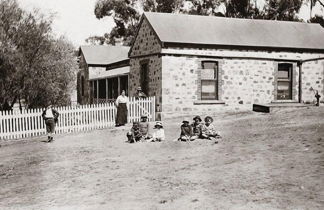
[104,55]
[210,30]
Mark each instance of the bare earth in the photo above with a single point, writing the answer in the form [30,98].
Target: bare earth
[264,161]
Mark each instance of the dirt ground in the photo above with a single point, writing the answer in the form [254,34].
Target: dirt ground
[264,161]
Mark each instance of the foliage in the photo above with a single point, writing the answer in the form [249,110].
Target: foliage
[241,9]
[201,7]
[317,19]
[282,9]
[124,15]
[34,66]
[166,6]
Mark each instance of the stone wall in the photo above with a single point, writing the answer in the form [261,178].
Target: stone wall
[247,81]
[155,76]
[146,49]
[83,72]
[242,83]
[146,42]
[312,78]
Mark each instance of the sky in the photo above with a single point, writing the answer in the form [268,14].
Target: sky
[75,19]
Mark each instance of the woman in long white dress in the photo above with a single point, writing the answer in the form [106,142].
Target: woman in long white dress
[122,109]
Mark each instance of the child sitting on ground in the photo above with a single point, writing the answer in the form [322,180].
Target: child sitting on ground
[135,134]
[196,127]
[158,135]
[208,130]
[144,127]
[186,131]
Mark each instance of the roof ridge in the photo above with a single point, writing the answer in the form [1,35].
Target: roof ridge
[106,46]
[222,31]
[228,18]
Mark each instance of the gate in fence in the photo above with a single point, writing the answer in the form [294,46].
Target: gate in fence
[29,123]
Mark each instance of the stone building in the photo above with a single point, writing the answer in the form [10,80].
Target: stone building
[198,64]
[103,73]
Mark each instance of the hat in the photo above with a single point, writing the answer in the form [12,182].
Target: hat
[209,117]
[197,117]
[143,116]
[139,88]
[158,124]
[185,120]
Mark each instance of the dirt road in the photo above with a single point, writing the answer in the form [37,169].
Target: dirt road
[264,161]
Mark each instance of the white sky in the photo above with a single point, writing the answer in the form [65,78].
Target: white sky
[76,20]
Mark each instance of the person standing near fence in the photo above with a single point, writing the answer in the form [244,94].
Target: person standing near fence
[122,103]
[139,93]
[50,116]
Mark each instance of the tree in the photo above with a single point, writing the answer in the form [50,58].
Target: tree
[202,7]
[317,19]
[30,58]
[166,6]
[126,15]
[312,3]
[282,9]
[241,9]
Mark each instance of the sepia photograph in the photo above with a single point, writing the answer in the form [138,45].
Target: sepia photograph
[162,104]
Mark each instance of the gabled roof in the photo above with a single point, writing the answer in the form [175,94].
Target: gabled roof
[210,30]
[104,55]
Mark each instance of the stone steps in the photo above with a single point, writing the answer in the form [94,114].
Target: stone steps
[267,108]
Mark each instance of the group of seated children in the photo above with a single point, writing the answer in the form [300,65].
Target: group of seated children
[140,132]
[198,130]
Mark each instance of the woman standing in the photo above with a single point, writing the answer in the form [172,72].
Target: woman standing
[122,109]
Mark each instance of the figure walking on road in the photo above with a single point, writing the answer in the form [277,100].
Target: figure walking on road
[122,109]
[50,116]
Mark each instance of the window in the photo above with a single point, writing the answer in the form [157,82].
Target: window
[284,90]
[209,80]
[144,80]
[102,88]
[113,88]
[95,89]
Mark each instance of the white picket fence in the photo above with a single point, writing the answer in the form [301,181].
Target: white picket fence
[29,123]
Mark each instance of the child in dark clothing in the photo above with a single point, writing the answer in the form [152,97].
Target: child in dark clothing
[135,134]
[196,127]
[186,131]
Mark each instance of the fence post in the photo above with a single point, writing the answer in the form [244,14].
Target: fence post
[153,107]
[1,130]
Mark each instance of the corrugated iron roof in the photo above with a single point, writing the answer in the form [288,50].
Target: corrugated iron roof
[102,73]
[104,55]
[210,30]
